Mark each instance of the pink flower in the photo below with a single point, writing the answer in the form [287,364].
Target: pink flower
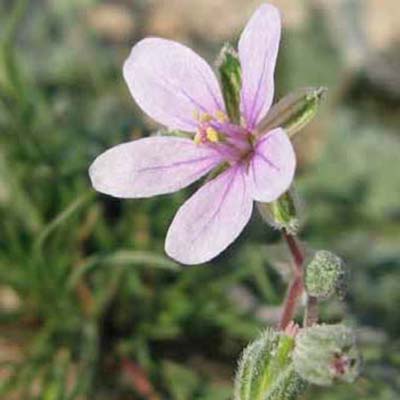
[178,89]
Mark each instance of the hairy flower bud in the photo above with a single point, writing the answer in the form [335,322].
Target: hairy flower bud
[325,275]
[326,353]
[266,370]
[281,213]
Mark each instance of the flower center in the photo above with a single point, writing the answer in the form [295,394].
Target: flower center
[205,131]
[233,141]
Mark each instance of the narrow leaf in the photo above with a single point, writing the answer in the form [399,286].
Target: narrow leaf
[62,218]
[122,258]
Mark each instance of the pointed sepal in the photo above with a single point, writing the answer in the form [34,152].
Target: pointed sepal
[282,213]
[294,111]
[231,81]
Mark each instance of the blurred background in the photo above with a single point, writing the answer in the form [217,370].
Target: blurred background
[90,307]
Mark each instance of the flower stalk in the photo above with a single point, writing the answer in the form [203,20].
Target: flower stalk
[294,293]
[296,287]
[296,252]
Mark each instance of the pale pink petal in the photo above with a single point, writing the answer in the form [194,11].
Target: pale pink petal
[171,83]
[211,219]
[272,168]
[258,50]
[151,166]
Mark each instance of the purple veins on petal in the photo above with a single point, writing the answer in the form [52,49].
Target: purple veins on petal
[151,166]
[272,166]
[170,82]
[211,219]
[258,51]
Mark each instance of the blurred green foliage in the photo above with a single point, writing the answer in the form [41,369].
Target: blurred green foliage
[90,307]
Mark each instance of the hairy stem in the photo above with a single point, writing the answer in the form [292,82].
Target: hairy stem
[294,293]
[296,287]
[296,252]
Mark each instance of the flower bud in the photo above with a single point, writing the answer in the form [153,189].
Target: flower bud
[281,213]
[325,275]
[324,354]
[266,370]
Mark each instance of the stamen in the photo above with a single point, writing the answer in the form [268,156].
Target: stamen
[202,117]
[198,138]
[206,134]
[212,135]
[205,118]
[221,116]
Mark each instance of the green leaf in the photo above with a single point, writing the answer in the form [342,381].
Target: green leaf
[123,258]
[231,81]
[7,48]
[182,382]
[62,218]
[294,111]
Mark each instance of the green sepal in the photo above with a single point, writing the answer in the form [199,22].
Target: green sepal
[294,111]
[281,213]
[231,81]
[266,371]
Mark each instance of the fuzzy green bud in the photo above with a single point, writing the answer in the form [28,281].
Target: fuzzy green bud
[266,370]
[281,213]
[327,353]
[325,275]
[231,81]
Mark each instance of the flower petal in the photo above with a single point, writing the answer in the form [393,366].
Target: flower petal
[211,219]
[151,166]
[258,50]
[271,170]
[171,83]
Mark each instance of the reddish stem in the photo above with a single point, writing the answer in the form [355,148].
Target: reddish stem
[292,297]
[296,287]
[296,252]
[139,379]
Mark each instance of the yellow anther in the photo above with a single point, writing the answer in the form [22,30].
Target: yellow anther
[205,117]
[197,138]
[212,135]
[221,116]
